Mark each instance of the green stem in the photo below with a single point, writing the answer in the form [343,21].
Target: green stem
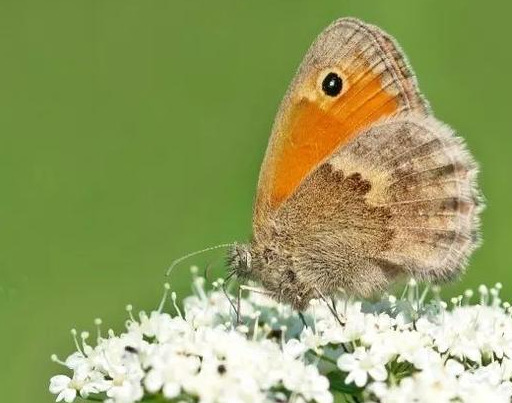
[392,379]
[323,357]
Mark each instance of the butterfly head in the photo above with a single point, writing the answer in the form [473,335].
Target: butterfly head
[271,269]
[240,260]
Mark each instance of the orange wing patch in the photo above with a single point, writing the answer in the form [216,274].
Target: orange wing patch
[312,133]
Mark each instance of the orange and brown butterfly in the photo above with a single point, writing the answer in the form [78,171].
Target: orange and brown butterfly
[360,184]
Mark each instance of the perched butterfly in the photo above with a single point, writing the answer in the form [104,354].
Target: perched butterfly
[360,183]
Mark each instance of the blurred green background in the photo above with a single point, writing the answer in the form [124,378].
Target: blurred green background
[132,132]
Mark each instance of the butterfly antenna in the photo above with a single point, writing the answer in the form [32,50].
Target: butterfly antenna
[181,259]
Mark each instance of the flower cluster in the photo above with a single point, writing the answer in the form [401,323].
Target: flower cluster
[201,355]
[257,350]
[408,351]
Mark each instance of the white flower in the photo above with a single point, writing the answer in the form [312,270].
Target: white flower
[160,326]
[375,326]
[82,383]
[506,369]
[408,344]
[402,393]
[307,382]
[125,391]
[311,339]
[482,386]
[64,387]
[399,350]
[362,363]
[435,385]
[169,368]
[454,368]
[294,348]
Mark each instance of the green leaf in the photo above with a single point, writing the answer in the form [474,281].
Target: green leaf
[337,382]
[345,398]
[155,399]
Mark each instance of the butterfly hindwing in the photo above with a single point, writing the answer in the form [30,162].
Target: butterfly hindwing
[400,198]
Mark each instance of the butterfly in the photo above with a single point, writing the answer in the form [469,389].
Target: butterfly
[360,184]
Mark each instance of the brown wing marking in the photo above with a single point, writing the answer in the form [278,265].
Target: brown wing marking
[426,179]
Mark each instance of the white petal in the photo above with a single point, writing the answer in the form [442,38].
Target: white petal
[171,390]
[346,362]
[68,395]
[324,397]
[454,368]
[154,381]
[58,383]
[360,377]
[349,379]
[75,360]
[294,348]
[379,373]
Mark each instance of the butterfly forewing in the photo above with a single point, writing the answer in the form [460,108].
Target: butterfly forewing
[311,125]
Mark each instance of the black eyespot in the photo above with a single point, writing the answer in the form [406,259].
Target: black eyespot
[332,84]
[221,369]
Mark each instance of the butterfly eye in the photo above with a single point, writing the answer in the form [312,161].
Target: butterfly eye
[332,84]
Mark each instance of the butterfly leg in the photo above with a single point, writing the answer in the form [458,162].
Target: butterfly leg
[238,304]
[333,302]
[341,321]
[224,289]
[303,320]
[255,289]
